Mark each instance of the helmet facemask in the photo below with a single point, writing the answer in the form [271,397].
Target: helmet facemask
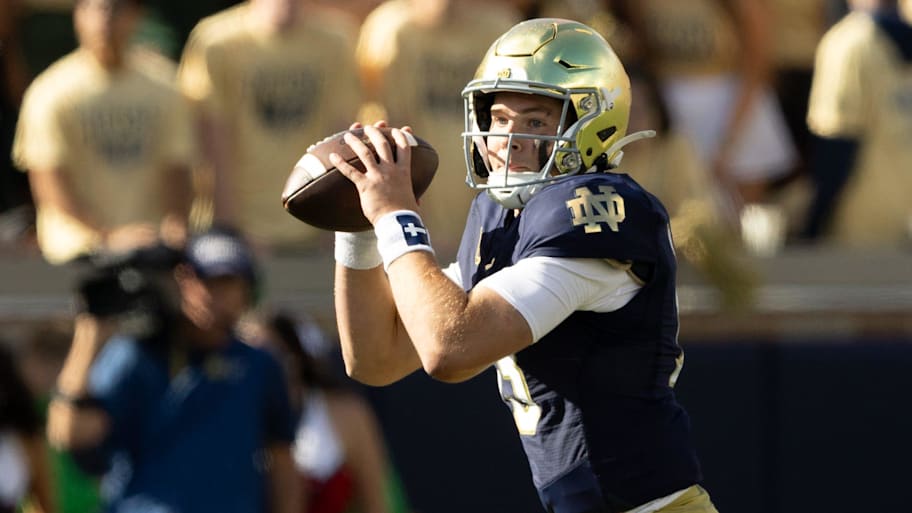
[558,154]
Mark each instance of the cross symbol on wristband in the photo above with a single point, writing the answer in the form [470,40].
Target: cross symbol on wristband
[413,230]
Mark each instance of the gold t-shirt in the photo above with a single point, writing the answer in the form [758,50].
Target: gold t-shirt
[113,135]
[276,94]
[690,37]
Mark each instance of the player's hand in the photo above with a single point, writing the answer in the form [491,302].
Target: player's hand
[386,184]
[131,236]
[382,123]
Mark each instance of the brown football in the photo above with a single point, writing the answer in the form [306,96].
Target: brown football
[318,194]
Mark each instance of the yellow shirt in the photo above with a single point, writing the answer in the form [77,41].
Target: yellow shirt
[277,94]
[690,37]
[798,26]
[113,135]
[423,69]
[862,89]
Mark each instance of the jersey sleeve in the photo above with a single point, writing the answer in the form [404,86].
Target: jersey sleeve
[198,72]
[592,217]
[40,142]
[545,291]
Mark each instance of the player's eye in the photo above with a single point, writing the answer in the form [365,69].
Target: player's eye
[541,126]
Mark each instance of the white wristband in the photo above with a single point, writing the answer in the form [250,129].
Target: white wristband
[401,232]
[357,250]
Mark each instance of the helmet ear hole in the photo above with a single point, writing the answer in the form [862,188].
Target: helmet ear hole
[482,110]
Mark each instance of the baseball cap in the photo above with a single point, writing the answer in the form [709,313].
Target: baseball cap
[221,252]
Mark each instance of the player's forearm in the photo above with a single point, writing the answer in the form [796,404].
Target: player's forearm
[89,335]
[284,485]
[454,338]
[41,488]
[756,64]
[52,190]
[70,426]
[177,206]
[216,144]
[365,451]
[375,347]
[180,191]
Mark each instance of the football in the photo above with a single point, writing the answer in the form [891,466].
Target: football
[320,195]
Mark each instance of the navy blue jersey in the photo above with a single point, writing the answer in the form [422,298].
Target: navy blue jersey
[593,398]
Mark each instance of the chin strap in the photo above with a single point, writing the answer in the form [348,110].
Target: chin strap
[624,141]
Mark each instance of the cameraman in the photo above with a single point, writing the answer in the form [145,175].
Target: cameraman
[183,417]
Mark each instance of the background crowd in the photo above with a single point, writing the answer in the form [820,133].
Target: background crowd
[123,122]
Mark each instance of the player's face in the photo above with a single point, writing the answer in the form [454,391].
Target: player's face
[104,27]
[229,296]
[518,113]
[216,304]
[277,14]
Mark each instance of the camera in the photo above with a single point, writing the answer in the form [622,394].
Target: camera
[134,287]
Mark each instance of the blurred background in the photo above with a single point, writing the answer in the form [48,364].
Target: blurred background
[784,155]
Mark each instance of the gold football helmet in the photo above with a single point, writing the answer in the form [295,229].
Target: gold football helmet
[560,59]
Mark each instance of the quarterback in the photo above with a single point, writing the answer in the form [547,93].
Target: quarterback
[564,280]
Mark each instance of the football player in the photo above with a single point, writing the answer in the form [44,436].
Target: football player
[564,280]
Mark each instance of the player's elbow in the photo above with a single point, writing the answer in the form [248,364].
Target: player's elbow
[367,376]
[447,367]
[376,371]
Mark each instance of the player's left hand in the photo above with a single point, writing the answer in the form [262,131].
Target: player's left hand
[386,184]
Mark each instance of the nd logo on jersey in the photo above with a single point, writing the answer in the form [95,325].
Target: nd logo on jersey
[592,209]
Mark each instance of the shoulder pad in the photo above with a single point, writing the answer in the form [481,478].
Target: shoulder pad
[593,216]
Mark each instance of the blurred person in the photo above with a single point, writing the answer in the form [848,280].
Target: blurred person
[168,23]
[797,27]
[713,59]
[861,110]
[601,15]
[414,55]
[17,210]
[268,78]
[669,168]
[355,10]
[564,281]
[24,467]
[107,141]
[339,449]
[41,358]
[159,394]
